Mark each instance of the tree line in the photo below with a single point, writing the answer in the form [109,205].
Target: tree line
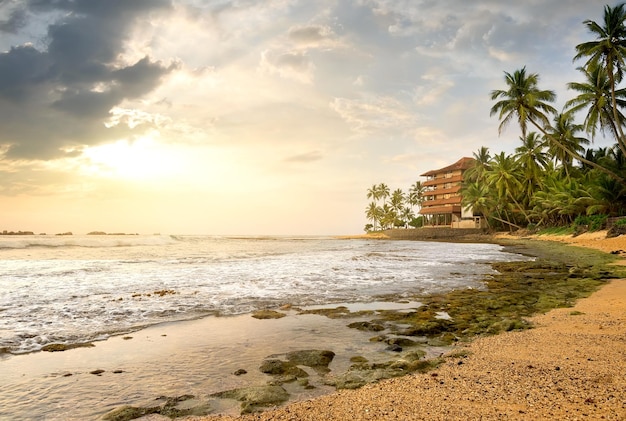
[393,209]
[552,178]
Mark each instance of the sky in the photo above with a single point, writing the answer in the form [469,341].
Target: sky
[252,117]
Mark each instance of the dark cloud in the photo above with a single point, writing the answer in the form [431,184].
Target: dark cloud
[57,99]
[15,21]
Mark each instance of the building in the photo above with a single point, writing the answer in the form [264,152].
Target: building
[442,197]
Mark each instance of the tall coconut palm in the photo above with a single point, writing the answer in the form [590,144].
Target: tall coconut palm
[373,213]
[609,51]
[481,165]
[383,191]
[595,96]
[396,200]
[523,99]
[372,193]
[416,194]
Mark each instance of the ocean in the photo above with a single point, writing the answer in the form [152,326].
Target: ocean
[77,289]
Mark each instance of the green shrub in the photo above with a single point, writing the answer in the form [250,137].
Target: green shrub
[597,222]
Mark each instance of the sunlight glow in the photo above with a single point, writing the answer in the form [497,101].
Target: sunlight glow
[141,159]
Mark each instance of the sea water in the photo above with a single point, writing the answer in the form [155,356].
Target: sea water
[77,289]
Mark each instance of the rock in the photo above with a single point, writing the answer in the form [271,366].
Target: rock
[128,412]
[268,314]
[311,358]
[255,397]
[173,407]
[394,348]
[280,368]
[367,326]
[65,347]
[616,230]
[240,372]
[404,342]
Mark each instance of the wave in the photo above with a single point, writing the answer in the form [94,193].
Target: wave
[89,241]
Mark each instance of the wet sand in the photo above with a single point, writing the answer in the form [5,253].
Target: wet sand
[569,367]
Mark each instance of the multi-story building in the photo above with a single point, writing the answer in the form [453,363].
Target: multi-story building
[442,198]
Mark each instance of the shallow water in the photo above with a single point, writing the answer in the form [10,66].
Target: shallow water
[195,357]
[89,288]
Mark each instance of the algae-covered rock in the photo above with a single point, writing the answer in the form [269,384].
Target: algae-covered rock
[367,326]
[281,368]
[268,314]
[65,347]
[127,412]
[311,358]
[256,397]
[172,407]
[402,342]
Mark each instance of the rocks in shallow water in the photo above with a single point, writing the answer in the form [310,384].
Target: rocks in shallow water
[367,326]
[281,368]
[240,372]
[311,358]
[256,397]
[65,347]
[128,412]
[361,374]
[172,407]
[268,314]
[402,342]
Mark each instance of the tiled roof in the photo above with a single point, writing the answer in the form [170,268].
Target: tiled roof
[462,164]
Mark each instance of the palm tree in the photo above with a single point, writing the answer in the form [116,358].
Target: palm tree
[372,193]
[533,160]
[479,197]
[388,216]
[481,166]
[383,191]
[609,51]
[397,200]
[565,131]
[523,99]
[373,213]
[595,93]
[504,176]
[416,194]
[528,103]
[407,215]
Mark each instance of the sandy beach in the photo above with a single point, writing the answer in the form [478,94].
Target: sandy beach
[569,367]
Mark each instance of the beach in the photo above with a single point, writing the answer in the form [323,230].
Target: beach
[568,367]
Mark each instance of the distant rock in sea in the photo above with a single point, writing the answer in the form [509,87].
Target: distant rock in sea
[5,232]
[65,233]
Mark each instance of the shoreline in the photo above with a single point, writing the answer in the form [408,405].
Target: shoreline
[569,366]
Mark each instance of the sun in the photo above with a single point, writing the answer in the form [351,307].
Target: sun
[140,159]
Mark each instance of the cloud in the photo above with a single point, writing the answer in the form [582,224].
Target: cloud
[15,21]
[57,98]
[294,65]
[311,156]
[374,115]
